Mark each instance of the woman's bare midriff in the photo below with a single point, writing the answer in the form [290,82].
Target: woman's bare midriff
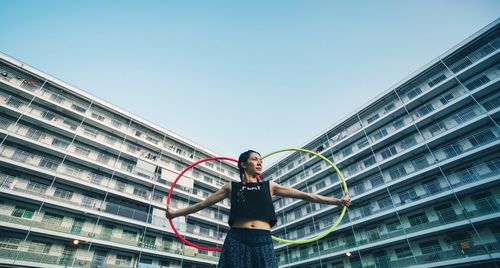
[252,224]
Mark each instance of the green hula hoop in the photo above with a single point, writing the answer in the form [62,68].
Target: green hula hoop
[344,186]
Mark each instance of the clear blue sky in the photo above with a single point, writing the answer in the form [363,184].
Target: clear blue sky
[233,75]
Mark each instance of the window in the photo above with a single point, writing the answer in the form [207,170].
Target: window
[407,196]
[446,98]
[141,192]
[347,151]
[103,158]
[97,116]
[82,151]
[418,219]
[34,134]
[129,235]
[380,134]
[96,178]
[110,140]
[48,163]
[148,241]
[397,172]
[39,247]
[384,202]
[52,219]
[430,247]
[23,212]
[6,181]
[63,194]
[408,142]
[359,188]
[372,118]
[316,168]
[48,115]
[20,155]
[90,132]
[120,186]
[403,252]
[482,138]
[420,163]
[491,103]
[437,80]
[152,140]
[60,143]
[398,123]
[390,151]
[369,161]
[9,242]
[436,128]
[483,79]
[363,143]
[14,102]
[116,123]
[88,202]
[123,260]
[37,187]
[57,98]
[414,92]
[127,166]
[452,150]
[432,186]
[290,166]
[72,125]
[424,110]
[389,107]
[78,108]
[465,116]
[393,226]
[376,181]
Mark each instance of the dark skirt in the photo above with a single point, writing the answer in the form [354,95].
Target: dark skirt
[248,248]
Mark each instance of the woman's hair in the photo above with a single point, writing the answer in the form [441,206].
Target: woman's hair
[243,159]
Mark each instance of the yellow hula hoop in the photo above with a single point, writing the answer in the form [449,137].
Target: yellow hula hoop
[344,186]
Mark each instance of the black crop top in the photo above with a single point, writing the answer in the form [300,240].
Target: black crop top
[251,201]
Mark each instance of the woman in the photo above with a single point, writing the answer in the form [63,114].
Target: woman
[249,243]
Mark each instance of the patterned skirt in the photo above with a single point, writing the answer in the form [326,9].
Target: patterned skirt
[248,248]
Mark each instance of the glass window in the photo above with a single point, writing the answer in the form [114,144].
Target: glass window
[123,260]
[388,152]
[347,151]
[63,194]
[37,187]
[52,219]
[369,161]
[397,172]
[363,143]
[414,92]
[393,226]
[376,181]
[399,123]
[23,212]
[385,202]
[403,252]
[407,196]
[48,163]
[60,143]
[9,242]
[418,219]
[129,235]
[39,247]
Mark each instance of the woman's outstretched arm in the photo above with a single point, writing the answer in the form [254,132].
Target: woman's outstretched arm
[285,191]
[222,193]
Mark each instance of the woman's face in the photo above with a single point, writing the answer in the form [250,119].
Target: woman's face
[253,166]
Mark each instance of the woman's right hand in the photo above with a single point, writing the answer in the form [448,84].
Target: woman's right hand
[170,214]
